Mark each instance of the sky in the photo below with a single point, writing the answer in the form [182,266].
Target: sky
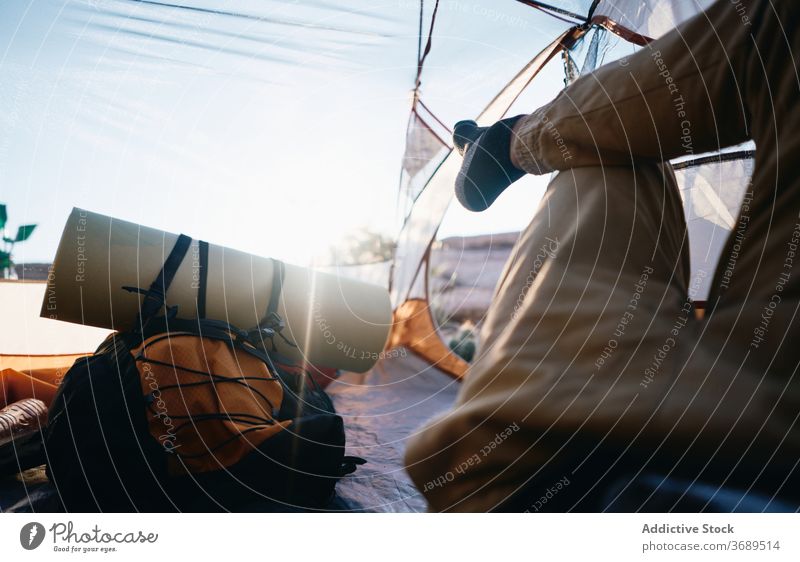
[272,127]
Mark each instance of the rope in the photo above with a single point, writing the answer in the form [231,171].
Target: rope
[421,58]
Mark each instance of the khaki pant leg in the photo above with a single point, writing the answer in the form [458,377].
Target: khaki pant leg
[680,95]
[736,397]
[597,283]
[720,78]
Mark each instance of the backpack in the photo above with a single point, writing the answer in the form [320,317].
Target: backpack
[192,415]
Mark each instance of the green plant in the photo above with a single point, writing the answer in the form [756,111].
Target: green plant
[463,343]
[23,233]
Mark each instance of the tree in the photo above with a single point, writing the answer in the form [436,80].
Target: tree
[361,247]
[23,233]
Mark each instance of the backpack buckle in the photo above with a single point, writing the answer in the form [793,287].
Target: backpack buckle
[273,322]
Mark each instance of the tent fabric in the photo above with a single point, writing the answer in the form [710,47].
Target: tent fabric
[712,194]
[413,328]
[28,335]
[423,143]
[41,348]
[40,363]
[263,75]
[650,18]
[420,227]
[16,385]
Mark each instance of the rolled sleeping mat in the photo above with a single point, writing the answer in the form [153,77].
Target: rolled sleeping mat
[329,321]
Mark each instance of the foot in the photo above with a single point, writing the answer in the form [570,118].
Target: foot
[487,169]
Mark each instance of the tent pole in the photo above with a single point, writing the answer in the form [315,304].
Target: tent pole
[554,9]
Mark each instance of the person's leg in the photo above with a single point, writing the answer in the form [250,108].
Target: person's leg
[725,408]
[735,400]
[682,94]
[594,289]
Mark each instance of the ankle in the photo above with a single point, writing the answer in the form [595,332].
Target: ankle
[512,146]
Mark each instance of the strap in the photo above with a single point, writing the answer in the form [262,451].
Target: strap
[156,294]
[272,323]
[278,273]
[202,287]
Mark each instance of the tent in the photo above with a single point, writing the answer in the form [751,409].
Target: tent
[471,60]
[712,186]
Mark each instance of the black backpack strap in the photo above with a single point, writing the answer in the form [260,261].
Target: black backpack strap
[272,323]
[278,273]
[202,288]
[155,296]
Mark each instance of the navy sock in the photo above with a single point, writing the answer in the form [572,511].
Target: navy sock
[487,169]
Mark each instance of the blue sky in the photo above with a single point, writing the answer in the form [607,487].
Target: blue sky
[274,127]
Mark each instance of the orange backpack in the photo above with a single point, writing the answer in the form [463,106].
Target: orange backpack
[197,414]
